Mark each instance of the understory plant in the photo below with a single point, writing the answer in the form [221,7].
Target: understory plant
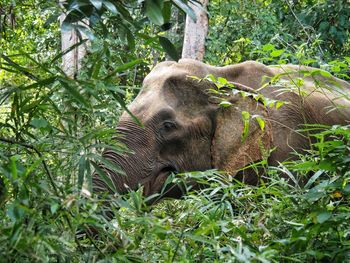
[225,221]
[53,129]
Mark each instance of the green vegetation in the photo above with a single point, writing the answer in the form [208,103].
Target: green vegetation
[53,129]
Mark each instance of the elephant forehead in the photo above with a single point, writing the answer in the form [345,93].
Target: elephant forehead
[172,70]
[169,85]
[147,104]
[160,80]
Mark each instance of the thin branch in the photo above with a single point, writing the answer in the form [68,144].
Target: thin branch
[302,26]
[87,231]
[31,147]
[181,237]
[17,66]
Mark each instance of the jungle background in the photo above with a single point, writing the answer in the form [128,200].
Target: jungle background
[53,128]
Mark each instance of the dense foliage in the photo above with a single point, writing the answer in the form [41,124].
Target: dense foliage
[53,129]
[239,29]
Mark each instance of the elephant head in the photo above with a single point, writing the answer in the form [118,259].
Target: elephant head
[183,129]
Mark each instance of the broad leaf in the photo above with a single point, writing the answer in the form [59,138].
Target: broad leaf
[154,11]
[277,53]
[97,3]
[169,48]
[186,8]
[111,7]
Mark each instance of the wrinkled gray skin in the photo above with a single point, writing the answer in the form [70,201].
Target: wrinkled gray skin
[186,130]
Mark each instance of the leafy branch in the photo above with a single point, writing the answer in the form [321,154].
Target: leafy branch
[31,147]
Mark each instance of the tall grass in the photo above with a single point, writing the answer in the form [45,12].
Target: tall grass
[226,221]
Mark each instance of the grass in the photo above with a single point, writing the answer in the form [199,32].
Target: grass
[226,221]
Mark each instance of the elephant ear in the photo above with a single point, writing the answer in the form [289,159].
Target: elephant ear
[230,151]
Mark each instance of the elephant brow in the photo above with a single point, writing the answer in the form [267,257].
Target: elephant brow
[161,115]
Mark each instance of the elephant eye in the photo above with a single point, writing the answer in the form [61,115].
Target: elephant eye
[168,126]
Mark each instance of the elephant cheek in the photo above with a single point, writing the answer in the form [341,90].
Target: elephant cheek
[200,155]
[127,163]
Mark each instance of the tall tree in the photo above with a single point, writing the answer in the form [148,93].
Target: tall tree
[196,32]
[71,61]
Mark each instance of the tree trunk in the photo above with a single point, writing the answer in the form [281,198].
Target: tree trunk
[71,62]
[196,32]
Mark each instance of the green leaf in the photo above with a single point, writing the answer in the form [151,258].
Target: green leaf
[61,54]
[308,61]
[15,211]
[316,192]
[323,26]
[268,47]
[13,166]
[118,147]
[277,53]
[279,104]
[260,121]
[81,172]
[346,189]
[131,40]
[200,238]
[66,26]
[105,178]
[124,11]
[154,11]
[122,103]
[123,68]
[169,48]
[137,199]
[225,104]
[88,175]
[52,18]
[167,11]
[316,72]
[85,32]
[74,92]
[111,7]
[327,165]
[222,81]
[313,179]
[21,69]
[186,8]
[108,164]
[54,207]
[325,74]
[96,69]
[40,83]
[97,4]
[39,123]
[245,119]
[323,217]
[210,77]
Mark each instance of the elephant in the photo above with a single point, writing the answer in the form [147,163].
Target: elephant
[184,127]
